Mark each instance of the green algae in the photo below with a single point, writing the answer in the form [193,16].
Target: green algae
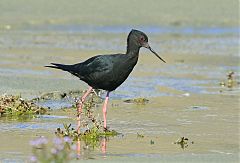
[152,142]
[230,82]
[183,142]
[92,130]
[91,137]
[140,135]
[16,106]
[138,101]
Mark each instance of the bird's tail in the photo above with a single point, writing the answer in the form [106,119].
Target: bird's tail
[60,66]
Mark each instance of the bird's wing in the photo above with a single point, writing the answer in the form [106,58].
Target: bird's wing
[94,68]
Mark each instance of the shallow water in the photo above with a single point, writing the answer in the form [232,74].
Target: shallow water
[185,96]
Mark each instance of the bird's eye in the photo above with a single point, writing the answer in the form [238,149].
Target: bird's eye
[142,38]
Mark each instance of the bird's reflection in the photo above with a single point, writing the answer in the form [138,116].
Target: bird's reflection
[78,149]
[83,149]
[104,145]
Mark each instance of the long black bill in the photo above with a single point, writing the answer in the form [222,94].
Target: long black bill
[148,47]
[156,54]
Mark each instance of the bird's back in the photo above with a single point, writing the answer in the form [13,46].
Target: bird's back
[105,71]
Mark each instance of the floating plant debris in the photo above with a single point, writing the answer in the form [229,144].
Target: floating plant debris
[140,101]
[15,105]
[230,82]
[152,142]
[199,107]
[140,135]
[183,142]
[68,131]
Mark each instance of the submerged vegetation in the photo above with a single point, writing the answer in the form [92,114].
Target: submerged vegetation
[140,135]
[91,137]
[183,142]
[66,146]
[92,128]
[17,106]
[93,133]
[230,82]
[63,146]
[139,101]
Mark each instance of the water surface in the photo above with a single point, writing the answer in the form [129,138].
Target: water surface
[185,98]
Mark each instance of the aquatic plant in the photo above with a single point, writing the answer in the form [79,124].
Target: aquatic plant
[93,136]
[183,142]
[92,128]
[230,81]
[67,132]
[90,120]
[17,106]
[152,142]
[140,135]
[61,150]
[139,101]
[90,136]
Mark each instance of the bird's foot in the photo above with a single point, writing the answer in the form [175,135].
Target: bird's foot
[106,129]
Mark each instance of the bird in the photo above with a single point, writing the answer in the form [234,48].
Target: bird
[107,72]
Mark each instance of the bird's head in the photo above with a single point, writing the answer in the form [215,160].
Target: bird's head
[140,39]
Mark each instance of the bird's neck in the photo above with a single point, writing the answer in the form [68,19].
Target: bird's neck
[133,50]
[132,53]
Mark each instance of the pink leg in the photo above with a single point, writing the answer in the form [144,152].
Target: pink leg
[79,108]
[104,109]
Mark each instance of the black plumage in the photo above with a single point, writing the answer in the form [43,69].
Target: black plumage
[108,72]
